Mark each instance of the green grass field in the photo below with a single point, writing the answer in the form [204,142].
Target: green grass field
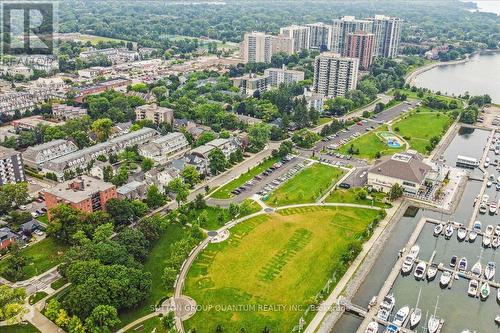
[307,186]
[369,144]
[419,127]
[155,265]
[349,196]
[20,328]
[148,326]
[37,296]
[224,192]
[283,259]
[96,39]
[42,256]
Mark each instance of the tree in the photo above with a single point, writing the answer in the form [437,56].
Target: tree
[102,319]
[168,321]
[180,189]
[11,302]
[190,175]
[258,136]
[123,211]
[13,195]
[147,164]
[396,192]
[217,161]
[14,264]
[102,128]
[151,227]
[103,232]
[75,325]
[154,198]
[285,148]
[339,106]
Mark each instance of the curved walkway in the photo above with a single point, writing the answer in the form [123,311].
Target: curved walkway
[179,285]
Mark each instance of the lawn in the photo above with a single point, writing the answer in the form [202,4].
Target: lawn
[281,261]
[151,325]
[58,283]
[43,218]
[224,192]
[37,296]
[155,265]
[42,256]
[324,120]
[369,144]
[20,328]
[96,39]
[349,196]
[216,217]
[307,186]
[419,127]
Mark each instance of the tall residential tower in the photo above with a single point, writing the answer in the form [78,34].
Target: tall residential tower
[334,75]
[387,32]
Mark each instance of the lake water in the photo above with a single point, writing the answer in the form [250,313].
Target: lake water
[478,76]
[488,6]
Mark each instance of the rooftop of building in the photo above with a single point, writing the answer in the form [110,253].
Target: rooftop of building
[7,152]
[407,166]
[79,189]
[130,187]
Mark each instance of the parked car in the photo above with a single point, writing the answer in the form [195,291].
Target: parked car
[344,185]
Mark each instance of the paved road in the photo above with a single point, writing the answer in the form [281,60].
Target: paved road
[359,113]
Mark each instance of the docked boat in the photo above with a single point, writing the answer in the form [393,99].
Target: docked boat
[462,264]
[477,226]
[420,270]
[453,261]
[472,236]
[414,251]
[391,329]
[438,229]
[432,271]
[448,231]
[489,183]
[497,230]
[401,316]
[407,264]
[477,269]
[486,240]
[473,288]
[497,187]
[497,319]
[445,279]
[386,307]
[372,327]
[416,315]
[433,323]
[461,234]
[489,270]
[493,209]
[489,229]
[485,291]
[495,242]
[483,208]
[498,295]
[485,198]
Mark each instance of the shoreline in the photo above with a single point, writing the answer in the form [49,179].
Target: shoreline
[410,78]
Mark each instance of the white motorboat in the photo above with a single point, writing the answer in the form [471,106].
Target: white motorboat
[477,226]
[489,229]
[497,230]
[432,271]
[485,198]
[453,261]
[483,208]
[493,209]
[401,316]
[445,279]
[420,270]
[416,314]
[461,234]
[472,236]
[462,264]
[486,164]
[489,183]
[414,251]
[438,229]
[407,264]
[485,291]
[497,319]
[497,187]
[386,307]
[433,323]
[489,270]
[477,269]
[486,240]
[498,295]
[495,242]
[448,231]
[372,327]
[473,288]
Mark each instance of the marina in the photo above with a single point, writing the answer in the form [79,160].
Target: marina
[450,259]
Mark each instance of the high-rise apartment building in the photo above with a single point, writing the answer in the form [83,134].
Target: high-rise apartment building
[300,35]
[387,32]
[11,166]
[334,75]
[281,43]
[360,44]
[342,27]
[256,47]
[320,36]
[278,76]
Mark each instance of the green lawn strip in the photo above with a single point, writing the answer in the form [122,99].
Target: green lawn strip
[24,327]
[216,217]
[254,207]
[58,283]
[369,144]
[155,264]
[419,127]
[349,196]
[272,260]
[148,326]
[225,191]
[43,218]
[37,296]
[305,187]
[324,120]
[42,256]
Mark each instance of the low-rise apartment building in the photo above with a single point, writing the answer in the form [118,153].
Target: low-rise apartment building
[278,76]
[250,83]
[65,112]
[36,156]
[155,113]
[162,148]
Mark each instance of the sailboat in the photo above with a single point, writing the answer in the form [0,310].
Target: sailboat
[416,315]
[433,323]
[489,270]
[485,291]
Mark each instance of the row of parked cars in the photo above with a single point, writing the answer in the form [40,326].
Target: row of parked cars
[278,181]
[261,176]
